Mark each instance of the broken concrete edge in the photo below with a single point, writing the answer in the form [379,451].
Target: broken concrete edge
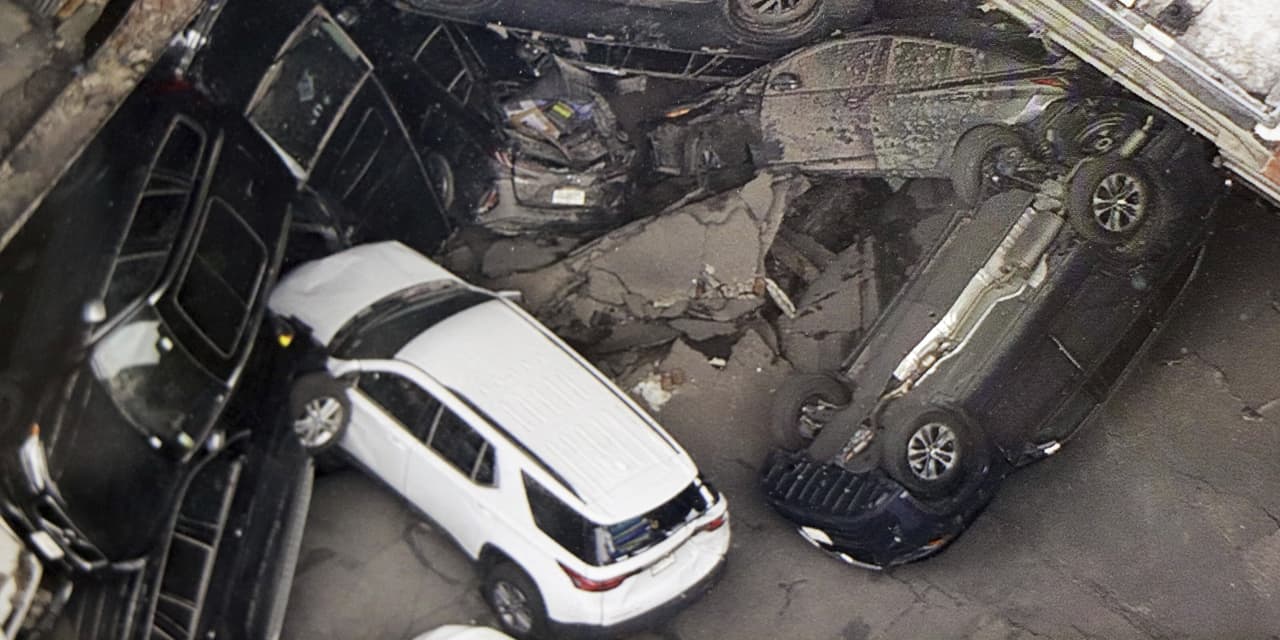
[61,133]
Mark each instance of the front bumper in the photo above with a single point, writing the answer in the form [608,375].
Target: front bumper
[867,519]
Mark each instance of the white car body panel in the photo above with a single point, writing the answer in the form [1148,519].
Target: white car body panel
[614,458]
[348,282]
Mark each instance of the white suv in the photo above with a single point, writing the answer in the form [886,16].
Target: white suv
[584,514]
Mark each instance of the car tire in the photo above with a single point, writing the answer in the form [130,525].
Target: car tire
[515,599]
[454,8]
[1117,204]
[933,453]
[319,412]
[976,161]
[799,398]
[773,21]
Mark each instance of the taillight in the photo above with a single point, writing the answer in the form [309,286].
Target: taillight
[587,584]
[1051,81]
[716,524]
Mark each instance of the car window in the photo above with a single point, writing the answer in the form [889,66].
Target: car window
[223,277]
[912,62]
[440,57]
[560,522]
[306,88]
[157,219]
[153,381]
[402,399]
[463,447]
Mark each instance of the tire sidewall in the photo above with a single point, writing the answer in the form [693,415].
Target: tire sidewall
[1151,233]
[749,30]
[971,451]
[791,396]
[970,153]
[509,573]
[313,386]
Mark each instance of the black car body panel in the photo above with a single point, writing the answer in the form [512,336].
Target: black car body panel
[1015,327]
[132,303]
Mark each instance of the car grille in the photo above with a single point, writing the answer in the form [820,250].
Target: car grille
[824,489]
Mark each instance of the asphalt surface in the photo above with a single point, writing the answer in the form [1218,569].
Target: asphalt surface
[1161,519]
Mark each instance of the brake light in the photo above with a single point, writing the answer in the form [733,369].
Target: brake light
[587,584]
[716,524]
[1050,81]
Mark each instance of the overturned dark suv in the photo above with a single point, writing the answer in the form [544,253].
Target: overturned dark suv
[1007,333]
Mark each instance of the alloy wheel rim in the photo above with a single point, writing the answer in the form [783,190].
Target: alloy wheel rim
[320,420]
[932,450]
[775,8]
[512,607]
[1119,203]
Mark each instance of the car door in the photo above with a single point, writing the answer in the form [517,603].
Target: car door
[815,106]
[386,411]
[937,91]
[452,477]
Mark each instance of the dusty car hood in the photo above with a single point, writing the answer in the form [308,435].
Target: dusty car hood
[348,282]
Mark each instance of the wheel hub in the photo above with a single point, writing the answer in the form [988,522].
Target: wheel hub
[512,607]
[932,450]
[1118,203]
[319,421]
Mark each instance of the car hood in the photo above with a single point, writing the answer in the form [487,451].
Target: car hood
[326,293]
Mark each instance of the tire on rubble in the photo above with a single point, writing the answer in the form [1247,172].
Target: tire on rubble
[803,398]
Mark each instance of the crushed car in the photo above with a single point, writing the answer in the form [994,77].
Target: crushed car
[582,512]
[1002,339]
[1209,63]
[966,100]
[132,462]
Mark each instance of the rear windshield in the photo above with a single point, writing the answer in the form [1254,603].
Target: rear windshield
[600,544]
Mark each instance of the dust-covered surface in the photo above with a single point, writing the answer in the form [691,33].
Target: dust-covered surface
[1159,520]
[56,137]
[1239,37]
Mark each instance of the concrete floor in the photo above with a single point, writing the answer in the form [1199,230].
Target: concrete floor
[1160,520]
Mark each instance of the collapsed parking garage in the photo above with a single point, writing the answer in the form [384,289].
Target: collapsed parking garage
[438,319]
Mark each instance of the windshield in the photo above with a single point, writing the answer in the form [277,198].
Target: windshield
[152,379]
[384,327]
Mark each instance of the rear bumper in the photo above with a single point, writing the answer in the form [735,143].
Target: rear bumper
[646,620]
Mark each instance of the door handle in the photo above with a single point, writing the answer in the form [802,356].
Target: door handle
[786,81]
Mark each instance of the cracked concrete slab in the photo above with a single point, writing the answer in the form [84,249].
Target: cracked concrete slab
[699,261]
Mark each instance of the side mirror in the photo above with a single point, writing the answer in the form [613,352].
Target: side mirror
[94,311]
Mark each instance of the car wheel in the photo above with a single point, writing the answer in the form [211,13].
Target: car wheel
[454,8]
[773,21]
[931,454]
[1110,200]
[320,411]
[441,175]
[1105,133]
[802,406]
[516,601]
[983,157]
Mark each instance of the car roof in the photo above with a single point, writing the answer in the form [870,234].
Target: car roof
[324,294]
[611,455]
[566,414]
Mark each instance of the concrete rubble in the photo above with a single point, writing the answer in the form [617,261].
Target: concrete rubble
[693,270]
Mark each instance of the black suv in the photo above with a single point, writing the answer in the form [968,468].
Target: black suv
[130,306]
